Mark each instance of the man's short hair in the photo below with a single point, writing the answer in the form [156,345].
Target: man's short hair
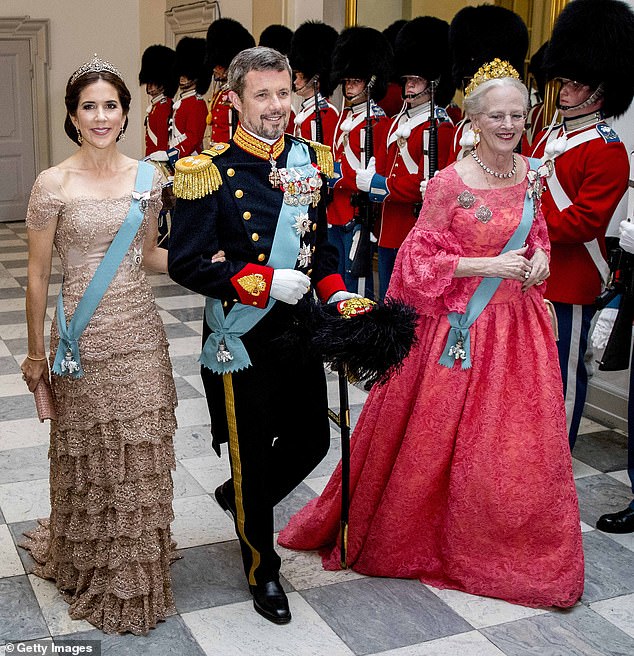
[259,58]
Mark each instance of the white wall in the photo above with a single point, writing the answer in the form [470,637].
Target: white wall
[79,28]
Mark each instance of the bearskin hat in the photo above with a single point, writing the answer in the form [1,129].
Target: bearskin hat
[225,39]
[422,49]
[593,42]
[190,62]
[536,69]
[311,52]
[157,67]
[363,52]
[478,35]
[277,37]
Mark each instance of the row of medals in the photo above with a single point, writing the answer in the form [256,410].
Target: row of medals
[298,189]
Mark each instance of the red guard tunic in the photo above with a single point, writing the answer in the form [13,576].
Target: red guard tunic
[392,102]
[157,124]
[188,124]
[348,153]
[594,176]
[402,159]
[219,117]
[304,122]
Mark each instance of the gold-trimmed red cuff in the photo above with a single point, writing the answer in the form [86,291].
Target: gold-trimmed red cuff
[253,284]
[327,286]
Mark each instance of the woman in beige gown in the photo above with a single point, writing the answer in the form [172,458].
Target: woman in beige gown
[107,543]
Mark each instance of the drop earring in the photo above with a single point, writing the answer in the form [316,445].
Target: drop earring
[80,139]
[121,136]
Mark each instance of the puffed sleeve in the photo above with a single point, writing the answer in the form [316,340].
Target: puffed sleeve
[155,203]
[45,203]
[426,262]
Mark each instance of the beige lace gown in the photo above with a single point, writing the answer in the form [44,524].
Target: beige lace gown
[107,544]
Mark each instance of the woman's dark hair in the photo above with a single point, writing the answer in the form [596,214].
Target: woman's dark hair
[74,89]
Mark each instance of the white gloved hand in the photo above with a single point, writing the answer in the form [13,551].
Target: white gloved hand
[423,188]
[603,327]
[289,285]
[342,296]
[626,234]
[158,156]
[364,176]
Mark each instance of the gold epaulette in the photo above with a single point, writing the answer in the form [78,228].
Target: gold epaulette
[324,158]
[197,176]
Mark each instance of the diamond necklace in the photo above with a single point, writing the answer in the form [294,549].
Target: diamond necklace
[495,174]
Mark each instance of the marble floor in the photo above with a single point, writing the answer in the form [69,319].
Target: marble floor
[334,613]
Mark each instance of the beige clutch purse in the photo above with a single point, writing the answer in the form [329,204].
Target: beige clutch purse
[44,401]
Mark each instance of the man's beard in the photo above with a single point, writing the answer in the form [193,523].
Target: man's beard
[268,131]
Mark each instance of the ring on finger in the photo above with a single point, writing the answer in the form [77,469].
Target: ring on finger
[527,274]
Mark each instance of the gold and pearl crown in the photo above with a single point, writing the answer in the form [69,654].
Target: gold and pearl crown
[95,65]
[491,71]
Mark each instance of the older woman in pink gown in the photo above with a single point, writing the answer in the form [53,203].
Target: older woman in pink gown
[461,476]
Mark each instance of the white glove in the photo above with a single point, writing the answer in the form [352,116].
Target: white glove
[364,176]
[158,156]
[626,234]
[342,296]
[289,285]
[603,327]
[423,188]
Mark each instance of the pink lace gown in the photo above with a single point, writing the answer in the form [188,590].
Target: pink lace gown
[107,543]
[462,478]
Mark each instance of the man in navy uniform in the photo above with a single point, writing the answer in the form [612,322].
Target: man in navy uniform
[259,200]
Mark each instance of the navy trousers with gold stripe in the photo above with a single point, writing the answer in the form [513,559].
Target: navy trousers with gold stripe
[278,431]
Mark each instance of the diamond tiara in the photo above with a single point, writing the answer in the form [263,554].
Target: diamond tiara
[95,65]
[490,71]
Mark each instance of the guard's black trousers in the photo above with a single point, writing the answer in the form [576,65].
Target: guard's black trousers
[278,431]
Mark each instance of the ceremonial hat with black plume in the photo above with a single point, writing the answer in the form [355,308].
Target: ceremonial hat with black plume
[226,37]
[593,43]
[277,37]
[157,67]
[363,52]
[311,53]
[478,35]
[190,62]
[422,49]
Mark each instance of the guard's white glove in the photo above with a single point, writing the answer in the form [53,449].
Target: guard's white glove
[603,327]
[158,156]
[342,296]
[423,188]
[364,176]
[626,234]
[289,285]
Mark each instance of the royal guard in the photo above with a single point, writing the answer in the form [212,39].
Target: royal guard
[157,73]
[310,59]
[413,150]
[361,63]
[278,37]
[591,57]
[537,85]
[392,102]
[225,39]
[190,109]
[478,35]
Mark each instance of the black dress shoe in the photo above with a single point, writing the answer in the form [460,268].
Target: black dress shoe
[271,602]
[619,522]
[224,502]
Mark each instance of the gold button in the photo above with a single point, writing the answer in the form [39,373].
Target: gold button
[261,257]
[255,236]
[312,250]
[314,227]
[255,302]
[224,304]
[239,193]
[246,216]
[231,173]
[309,272]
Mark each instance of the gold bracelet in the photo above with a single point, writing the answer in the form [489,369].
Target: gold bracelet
[36,359]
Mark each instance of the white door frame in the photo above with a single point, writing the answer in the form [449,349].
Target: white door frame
[37,33]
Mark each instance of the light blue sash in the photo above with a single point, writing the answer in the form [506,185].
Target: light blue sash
[224,351]
[67,361]
[458,345]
